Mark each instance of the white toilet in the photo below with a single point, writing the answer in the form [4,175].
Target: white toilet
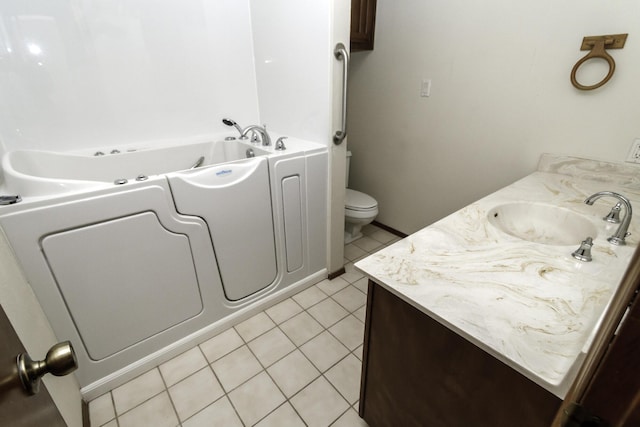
[359,210]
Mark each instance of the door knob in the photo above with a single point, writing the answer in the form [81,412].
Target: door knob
[60,360]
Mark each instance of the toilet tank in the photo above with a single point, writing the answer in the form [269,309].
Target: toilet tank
[347,166]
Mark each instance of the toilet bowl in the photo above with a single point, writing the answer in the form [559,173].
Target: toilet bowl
[359,210]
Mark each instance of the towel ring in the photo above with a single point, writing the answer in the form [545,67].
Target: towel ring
[598,51]
[597,46]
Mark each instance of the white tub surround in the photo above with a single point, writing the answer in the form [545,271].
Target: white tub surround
[531,305]
[134,273]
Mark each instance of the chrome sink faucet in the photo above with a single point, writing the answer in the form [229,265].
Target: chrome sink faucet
[621,232]
[266,139]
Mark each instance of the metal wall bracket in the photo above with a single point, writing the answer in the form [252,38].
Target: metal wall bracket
[612,41]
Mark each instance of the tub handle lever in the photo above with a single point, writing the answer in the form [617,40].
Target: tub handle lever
[198,163]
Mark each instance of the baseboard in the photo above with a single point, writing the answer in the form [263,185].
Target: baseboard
[86,421]
[336,273]
[389,229]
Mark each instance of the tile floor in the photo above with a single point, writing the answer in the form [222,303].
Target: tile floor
[296,363]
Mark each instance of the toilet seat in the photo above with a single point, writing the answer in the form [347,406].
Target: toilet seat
[357,201]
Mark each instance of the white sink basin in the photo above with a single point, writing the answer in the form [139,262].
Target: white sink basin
[546,224]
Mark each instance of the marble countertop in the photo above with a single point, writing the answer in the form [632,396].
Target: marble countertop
[531,305]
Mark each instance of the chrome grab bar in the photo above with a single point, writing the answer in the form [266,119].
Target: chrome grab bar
[341,53]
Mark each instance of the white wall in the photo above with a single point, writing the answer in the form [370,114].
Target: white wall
[500,97]
[90,74]
[291,39]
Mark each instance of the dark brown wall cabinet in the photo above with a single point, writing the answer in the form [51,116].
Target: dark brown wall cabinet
[363,23]
[416,373]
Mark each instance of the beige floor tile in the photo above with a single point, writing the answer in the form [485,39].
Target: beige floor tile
[328,312]
[358,352]
[218,414]
[271,346]
[284,416]
[284,310]
[101,410]
[182,366]
[361,313]
[301,328]
[350,268]
[137,391]
[156,412]
[319,403]
[195,393]
[345,377]
[350,419]
[330,287]
[256,398]
[353,253]
[293,373]
[255,326]
[368,244]
[236,367]
[350,332]
[309,297]
[369,229]
[221,345]
[324,351]
[350,298]
[113,423]
[383,236]
[362,285]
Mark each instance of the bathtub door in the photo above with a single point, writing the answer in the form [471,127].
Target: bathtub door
[234,199]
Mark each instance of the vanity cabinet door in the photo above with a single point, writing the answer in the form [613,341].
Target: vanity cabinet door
[613,393]
[416,372]
[363,23]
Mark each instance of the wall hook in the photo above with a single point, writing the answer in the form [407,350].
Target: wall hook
[597,47]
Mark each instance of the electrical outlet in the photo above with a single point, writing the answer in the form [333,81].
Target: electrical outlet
[634,152]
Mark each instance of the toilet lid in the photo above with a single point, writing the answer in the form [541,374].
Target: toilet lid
[359,201]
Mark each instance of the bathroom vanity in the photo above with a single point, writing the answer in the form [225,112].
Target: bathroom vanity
[484,317]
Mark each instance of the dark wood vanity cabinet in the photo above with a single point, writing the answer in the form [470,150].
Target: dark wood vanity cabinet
[363,22]
[416,372]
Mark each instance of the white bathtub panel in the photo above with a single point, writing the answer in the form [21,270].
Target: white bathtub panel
[109,273]
[235,201]
[26,225]
[285,168]
[316,187]
[292,211]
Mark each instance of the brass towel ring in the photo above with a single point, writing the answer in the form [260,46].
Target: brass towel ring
[597,46]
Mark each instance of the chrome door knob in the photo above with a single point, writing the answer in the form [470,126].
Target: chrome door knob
[59,361]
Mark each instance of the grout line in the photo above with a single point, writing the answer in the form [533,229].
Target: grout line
[173,405]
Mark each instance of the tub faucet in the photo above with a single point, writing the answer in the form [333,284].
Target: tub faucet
[621,232]
[266,139]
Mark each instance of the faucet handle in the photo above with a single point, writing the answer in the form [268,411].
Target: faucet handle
[254,137]
[280,143]
[614,215]
[583,253]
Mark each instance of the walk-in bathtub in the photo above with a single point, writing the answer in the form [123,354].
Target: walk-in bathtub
[139,254]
